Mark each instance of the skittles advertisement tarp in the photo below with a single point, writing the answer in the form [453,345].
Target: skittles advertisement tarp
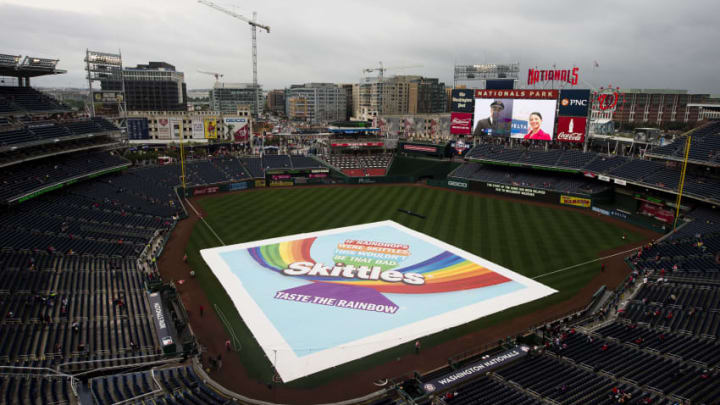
[318,300]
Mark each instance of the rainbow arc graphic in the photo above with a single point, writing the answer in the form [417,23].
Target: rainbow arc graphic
[445,272]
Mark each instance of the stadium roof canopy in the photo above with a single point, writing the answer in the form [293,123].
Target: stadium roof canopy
[16,66]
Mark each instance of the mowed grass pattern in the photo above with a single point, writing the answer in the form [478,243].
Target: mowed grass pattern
[528,239]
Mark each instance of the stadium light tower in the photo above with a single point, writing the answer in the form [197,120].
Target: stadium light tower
[254,25]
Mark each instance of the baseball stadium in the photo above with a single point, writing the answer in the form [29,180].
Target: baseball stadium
[475,265]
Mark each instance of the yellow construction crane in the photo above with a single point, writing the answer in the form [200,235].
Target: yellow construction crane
[254,25]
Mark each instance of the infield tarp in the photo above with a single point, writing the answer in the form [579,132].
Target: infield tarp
[317,300]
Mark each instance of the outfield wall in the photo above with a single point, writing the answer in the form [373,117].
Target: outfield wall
[533,194]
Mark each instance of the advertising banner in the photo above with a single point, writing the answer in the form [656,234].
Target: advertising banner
[235,128]
[163,327]
[475,369]
[238,186]
[198,131]
[575,201]
[621,182]
[461,123]
[463,100]
[206,190]
[281,183]
[163,128]
[571,129]
[658,212]
[444,124]
[457,184]
[379,285]
[522,114]
[107,109]
[420,126]
[108,97]
[211,130]
[176,127]
[420,148]
[574,103]
[612,213]
[408,126]
[356,144]
[138,128]
[603,178]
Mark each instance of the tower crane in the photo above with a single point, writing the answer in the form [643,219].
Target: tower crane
[254,25]
[381,69]
[218,76]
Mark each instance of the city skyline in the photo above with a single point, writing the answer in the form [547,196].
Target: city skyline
[637,47]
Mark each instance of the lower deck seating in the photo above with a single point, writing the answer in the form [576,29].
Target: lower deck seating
[57,309]
[178,385]
[28,389]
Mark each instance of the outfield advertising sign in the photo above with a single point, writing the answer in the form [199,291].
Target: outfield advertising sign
[238,186]
[379,285]
[420,148]
[575,201]
[206,190]
[457,184]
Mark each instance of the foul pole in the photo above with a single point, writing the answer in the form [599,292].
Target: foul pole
[682,181]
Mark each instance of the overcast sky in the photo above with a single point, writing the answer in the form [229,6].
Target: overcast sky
[638,44]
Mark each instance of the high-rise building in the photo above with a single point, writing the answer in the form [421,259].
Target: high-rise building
[427,96]
[316,102]
[349,99]
[276,102]
[402,95]
[152,87]
[226,97]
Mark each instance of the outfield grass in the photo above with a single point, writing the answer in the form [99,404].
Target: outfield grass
[531,240]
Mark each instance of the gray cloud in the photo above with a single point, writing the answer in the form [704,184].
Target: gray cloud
[645,44]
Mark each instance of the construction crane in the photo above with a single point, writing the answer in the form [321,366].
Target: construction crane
[254,25]
[381,73]
[218,76]
[381,69]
